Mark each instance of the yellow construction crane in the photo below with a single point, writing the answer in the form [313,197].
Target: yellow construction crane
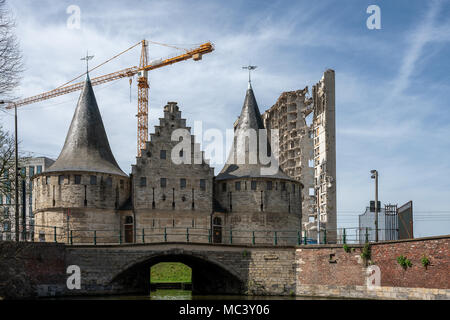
[142,82]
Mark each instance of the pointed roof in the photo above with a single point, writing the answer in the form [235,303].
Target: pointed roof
[86,147]
[249,119]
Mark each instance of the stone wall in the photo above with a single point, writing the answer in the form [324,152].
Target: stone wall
[108,191]
[261,210]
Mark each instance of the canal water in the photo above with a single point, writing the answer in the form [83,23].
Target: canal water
[177,294]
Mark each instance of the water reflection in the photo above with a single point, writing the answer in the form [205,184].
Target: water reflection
[177,294]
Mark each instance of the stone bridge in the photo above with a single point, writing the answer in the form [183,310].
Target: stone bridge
[216,269]
[30,269]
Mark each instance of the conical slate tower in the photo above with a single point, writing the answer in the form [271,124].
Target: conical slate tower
[250,119]
[86,147]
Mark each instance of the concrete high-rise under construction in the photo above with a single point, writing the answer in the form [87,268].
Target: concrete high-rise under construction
[307,150]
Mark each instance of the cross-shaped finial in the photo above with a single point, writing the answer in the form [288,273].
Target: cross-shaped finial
[249,68]
[87,58]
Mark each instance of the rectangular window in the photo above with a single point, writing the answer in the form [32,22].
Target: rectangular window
[224,187]
[1,199]
[237,185]
[8,198]
[283,186]
[311,191]
[60,179]
[77,179]
[47,180]
[31,171]
[269,185]
[163,182]
[6,212]
[23,172]
[93,180]
[162,154]
[109,181]
[143,182]
[122,184]
[182,183]
[253,185]
[202,184]
[38,169]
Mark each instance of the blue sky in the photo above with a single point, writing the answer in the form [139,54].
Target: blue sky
[392,84]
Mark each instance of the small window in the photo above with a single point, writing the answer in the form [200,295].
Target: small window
[224,187]
[8,198]
[77,179]
[253,185]
[283,186]
[162,154]
[181,153]
[269,185]
[311,192]
[1,199]
[217,221]
[202,184]
[237,185]
[143,182]
[109,181]
[93,180]
[122,184]
[60,180]
[6,212]
[128,220]
[163,182]
[182,183]
[38,169]
[31,171]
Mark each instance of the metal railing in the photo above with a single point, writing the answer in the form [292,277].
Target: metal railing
[45,233]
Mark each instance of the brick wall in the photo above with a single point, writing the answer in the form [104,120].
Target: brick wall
[436,275]
[30,269]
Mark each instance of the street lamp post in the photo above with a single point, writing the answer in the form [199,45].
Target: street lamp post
[16,168]
[375,176]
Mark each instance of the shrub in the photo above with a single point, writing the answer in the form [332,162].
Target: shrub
[346,248]
[425,261]
[404,262]
[365,254]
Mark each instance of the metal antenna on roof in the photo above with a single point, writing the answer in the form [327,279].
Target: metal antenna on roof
[87,58]
[249,68]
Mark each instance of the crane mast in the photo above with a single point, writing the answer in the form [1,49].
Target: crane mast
[142,111]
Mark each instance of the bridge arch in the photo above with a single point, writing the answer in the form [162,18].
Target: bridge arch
[209,276]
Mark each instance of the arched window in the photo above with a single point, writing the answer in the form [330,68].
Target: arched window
[217,221]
